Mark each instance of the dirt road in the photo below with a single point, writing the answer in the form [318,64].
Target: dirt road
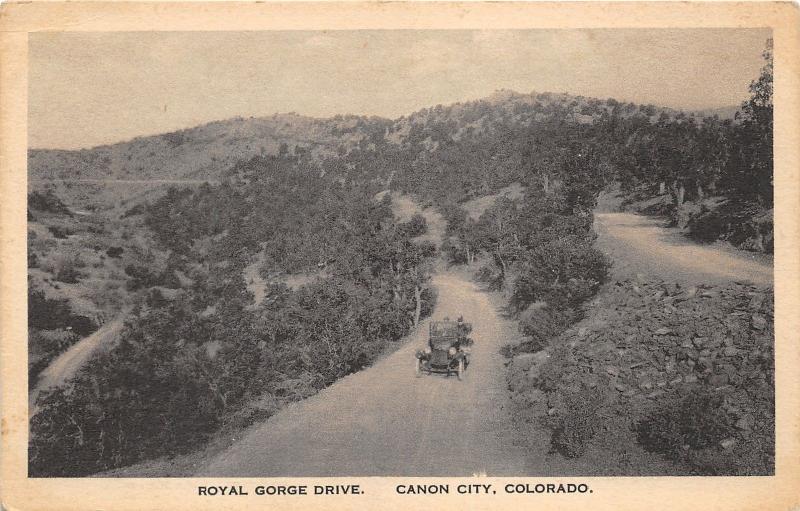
[384,421]
[66,365]
[640,244]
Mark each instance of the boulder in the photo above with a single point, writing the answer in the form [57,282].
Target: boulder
[718,380]
[756,302]
[758,322]
[746,422]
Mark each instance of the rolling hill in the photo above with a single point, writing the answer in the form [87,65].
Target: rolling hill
[204,152]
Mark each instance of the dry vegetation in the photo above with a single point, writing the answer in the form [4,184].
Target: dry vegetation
[285,208]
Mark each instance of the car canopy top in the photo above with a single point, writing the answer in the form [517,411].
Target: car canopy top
[444,329]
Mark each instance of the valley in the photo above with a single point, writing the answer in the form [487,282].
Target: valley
[244,298]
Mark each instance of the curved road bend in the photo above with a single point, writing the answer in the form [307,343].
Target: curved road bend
[384,421]
[639,244]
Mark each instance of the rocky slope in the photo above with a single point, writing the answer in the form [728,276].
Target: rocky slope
[683,372]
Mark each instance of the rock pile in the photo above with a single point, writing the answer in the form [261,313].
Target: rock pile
[648,344]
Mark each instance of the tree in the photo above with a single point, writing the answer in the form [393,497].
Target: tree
[752,160]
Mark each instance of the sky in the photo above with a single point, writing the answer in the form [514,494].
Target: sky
[93,88]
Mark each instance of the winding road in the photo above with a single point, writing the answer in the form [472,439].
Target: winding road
[67,365]
[640,244]
[385,421]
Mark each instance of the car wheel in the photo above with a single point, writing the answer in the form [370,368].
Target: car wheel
[418,368]
[460,372]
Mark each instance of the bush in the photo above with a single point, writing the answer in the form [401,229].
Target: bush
[416,226]
[707,227]
[140,277]
[44,313]
[551,374]
[63,266]
[47,201]
[49,314]
[579,423]
[542,323]
[455,216]
[138,209]
[456,254]
[429,298]
[44,346]
[68,274]
[696,422]
[489,275]
[60,232]
[82,325]
[563,272]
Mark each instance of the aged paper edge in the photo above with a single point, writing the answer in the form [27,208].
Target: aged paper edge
[17,20]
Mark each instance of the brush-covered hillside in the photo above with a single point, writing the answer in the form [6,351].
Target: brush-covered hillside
[173,234]
[687,164]
[205,152]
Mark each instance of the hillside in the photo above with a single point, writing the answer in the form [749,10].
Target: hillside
[204,152]
[278,265]
[724,112]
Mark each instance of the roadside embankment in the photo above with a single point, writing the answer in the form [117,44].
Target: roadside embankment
[686,373]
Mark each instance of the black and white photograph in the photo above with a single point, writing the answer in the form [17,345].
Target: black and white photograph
[407,253]
[385,253]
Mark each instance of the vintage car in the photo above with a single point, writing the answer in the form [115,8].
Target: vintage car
[448,349]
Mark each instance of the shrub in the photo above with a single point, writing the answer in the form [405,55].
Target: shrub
[64,267]
[429,298]
[542,323]
[60,232]
[44,313]
[140,277]
[68,274]
[416,226]
[489,275]
[47,201]
[455,251]
[707,227]
[579,423]
[51,342]
[138,209]
[563,272]
[551,374]
[696,422]
[455,216]
[115,252]
[82,325]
